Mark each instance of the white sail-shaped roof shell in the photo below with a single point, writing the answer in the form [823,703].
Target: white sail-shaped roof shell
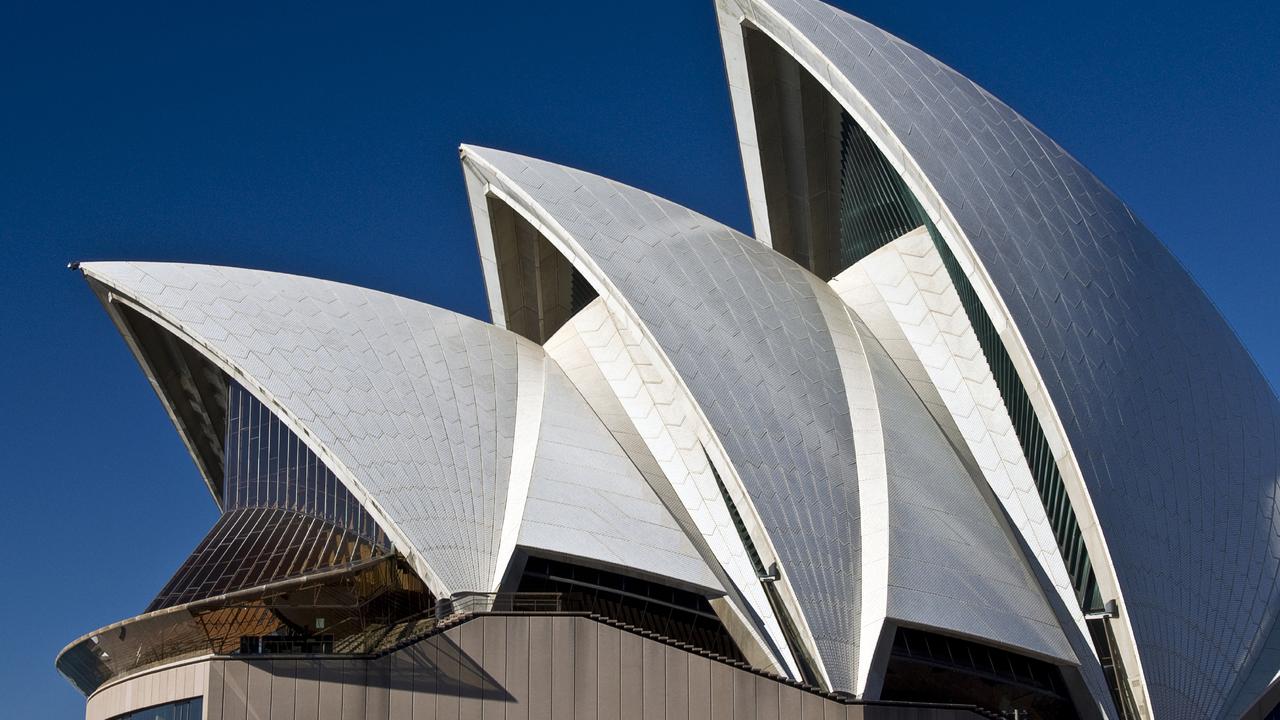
[1167,433]
[462,439]
[805,409]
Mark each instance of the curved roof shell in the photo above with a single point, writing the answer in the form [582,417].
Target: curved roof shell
[741,326]
[1173,427]
[415,408]
[772,358]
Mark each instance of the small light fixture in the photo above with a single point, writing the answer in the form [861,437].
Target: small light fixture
[1109,609]
[772,575]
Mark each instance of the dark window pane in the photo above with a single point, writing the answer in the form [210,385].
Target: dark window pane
[190,709]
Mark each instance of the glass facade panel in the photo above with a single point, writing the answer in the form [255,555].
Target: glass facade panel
[736,516]
[190,709]
[581,293]
[362,609]
[285,513]
[251,547]
[930,667]
[267,466]
[873,212]
[1104,640]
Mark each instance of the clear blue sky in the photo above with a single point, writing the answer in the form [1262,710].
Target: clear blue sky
[321,139]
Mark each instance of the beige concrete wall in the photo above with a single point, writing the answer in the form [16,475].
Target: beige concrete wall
[154,687]
[495,668]
[521,668]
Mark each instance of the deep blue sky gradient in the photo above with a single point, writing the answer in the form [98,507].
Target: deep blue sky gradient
[321,139]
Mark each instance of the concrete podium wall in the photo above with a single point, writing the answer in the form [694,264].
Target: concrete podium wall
[517,667]
[153,687]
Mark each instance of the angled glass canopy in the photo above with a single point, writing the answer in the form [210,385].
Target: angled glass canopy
[285,513]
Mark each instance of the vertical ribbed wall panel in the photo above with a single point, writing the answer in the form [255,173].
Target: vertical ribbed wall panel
[488,667]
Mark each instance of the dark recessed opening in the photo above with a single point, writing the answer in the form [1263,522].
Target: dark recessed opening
[678,614]
[832,196]
[929,667]
[541,289]
[195,388]
[798,133]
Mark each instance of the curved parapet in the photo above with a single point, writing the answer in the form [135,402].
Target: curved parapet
[749,383]
[1162,430]
[346,595]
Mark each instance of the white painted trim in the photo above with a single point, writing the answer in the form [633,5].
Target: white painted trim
[873,478]
[477,190]
[530,391]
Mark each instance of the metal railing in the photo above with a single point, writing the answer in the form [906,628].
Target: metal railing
[466,603]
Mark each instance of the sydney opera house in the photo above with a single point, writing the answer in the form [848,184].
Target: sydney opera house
[953,436]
